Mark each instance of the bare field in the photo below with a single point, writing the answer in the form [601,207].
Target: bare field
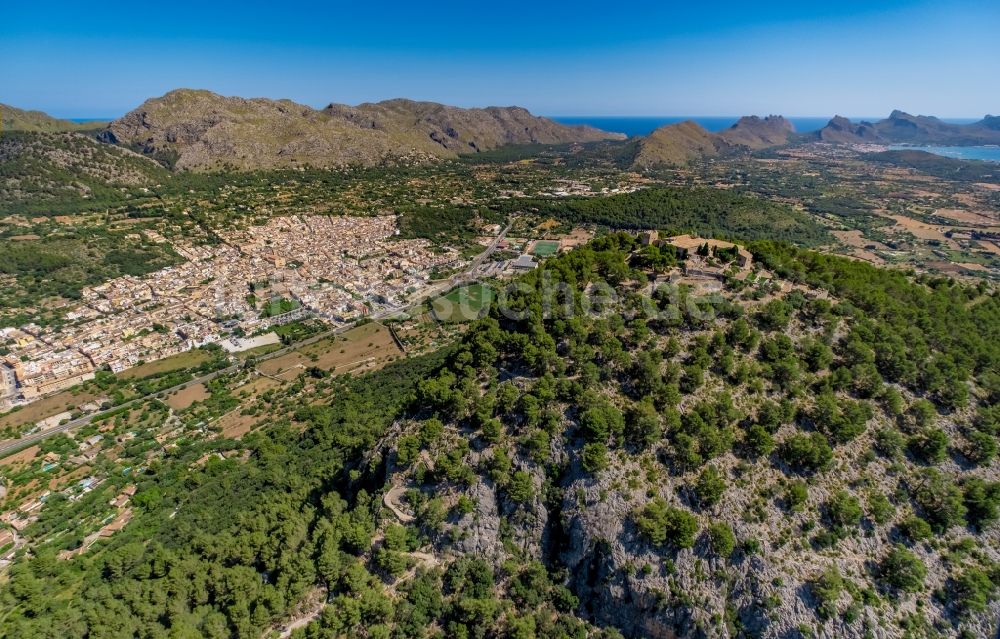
[576,237]
[954,268]
[20,457]
[46,407]
[256,387]
[187,396]
[992,247]
[338,354]
[857,242]
[972,266]
[235,425]
[922,231]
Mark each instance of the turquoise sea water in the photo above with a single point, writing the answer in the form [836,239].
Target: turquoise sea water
[988,153]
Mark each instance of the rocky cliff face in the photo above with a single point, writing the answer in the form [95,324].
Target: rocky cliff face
[200,130]
[624,581]
[809,546]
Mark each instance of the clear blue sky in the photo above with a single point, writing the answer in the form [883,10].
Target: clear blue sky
[589,58]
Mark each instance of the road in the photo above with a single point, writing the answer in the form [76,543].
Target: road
[465,276]
[15,445]
[28,440]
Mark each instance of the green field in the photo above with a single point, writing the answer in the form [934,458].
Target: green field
[463,304]
[545,248]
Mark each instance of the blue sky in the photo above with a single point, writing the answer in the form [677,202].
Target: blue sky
[579,58]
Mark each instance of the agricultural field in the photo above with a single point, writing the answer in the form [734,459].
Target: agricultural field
[67,400]
[366,346]
[181,361]
[183,398]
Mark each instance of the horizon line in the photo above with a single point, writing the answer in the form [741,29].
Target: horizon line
[623,116]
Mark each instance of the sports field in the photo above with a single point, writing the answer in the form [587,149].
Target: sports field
[545,248]
[463,304]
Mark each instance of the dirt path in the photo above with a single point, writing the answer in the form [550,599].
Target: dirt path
[311,613]
[391,501]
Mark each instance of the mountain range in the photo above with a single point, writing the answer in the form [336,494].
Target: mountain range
[678,144]
[200,130]
[903,128]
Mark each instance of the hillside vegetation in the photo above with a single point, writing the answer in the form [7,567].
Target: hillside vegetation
[14,119]
[61,173]
[685,142]
[810,451]
[904,128]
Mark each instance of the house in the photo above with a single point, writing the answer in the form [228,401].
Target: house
[91,441]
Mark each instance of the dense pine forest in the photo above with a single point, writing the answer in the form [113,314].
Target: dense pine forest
[700,211]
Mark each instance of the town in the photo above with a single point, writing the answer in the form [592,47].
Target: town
[338,269]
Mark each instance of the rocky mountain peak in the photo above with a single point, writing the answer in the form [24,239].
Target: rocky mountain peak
[759,133]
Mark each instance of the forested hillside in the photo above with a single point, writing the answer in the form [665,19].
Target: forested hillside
[61,173]
[808,452]
[704,212]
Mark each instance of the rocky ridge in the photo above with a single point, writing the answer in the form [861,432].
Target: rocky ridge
[200,130]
